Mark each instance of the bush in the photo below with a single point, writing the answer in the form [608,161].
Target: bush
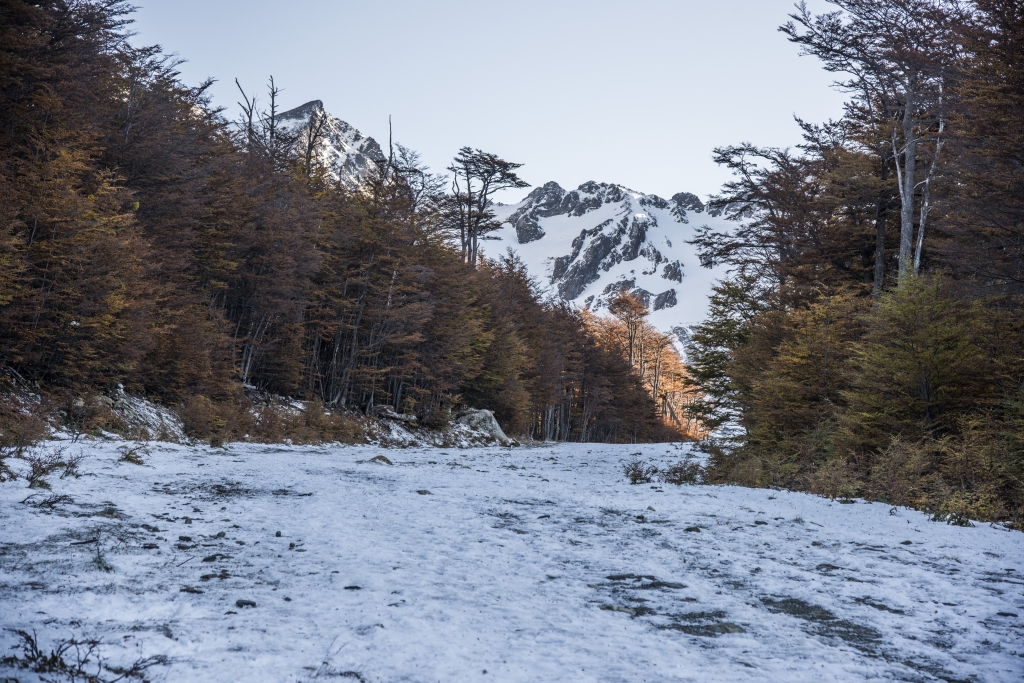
[686,471]
[200,417]
[133,454]
[76,660]
[21,426]
[835,479]
[639,472]
[434,417]
[93,414]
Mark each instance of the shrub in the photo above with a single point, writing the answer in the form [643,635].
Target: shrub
[133,454]
[836,479]
[639,472]
[200,417]
[42,464]
[686,471]
[75,660]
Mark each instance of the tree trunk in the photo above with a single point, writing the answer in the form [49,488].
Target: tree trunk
[907,187]
[881,212]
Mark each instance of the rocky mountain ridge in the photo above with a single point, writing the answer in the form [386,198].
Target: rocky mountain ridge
[588,244]
[347,154]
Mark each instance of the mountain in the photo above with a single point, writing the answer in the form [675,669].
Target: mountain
[347,154]
[588,244]
[583,245]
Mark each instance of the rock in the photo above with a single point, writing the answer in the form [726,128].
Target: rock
[541,202]
[353,588]
[760,522]
[695,529]
[387,413]
[277,534]
[817,543]
[245,603]
[725,627]
[210,558]
[347,156]
[666,299]
[187,539]
[617,608]
[906,543]
[424,492]
[149,546]
[483,422]
[662,584]
[190,589]
[673,271]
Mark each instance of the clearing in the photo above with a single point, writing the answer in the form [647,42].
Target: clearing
[281,563]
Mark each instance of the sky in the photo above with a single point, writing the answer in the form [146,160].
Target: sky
[637,93]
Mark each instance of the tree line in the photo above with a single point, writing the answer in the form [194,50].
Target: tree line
[148,241]
[868,339]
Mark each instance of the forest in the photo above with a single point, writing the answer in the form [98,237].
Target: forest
[151,240]
[868,341]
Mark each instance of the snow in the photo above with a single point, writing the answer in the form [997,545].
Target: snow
[667,234]
[537,563]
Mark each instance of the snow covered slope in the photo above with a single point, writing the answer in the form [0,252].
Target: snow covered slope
[274,563]
[347,154]
[588,244]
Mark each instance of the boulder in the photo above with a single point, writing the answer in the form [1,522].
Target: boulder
[483,422]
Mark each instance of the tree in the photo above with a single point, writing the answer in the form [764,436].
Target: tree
[631,312]
[477,176]
[983,229]
[899,55]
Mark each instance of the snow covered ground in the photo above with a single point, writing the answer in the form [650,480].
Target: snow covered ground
[506,564]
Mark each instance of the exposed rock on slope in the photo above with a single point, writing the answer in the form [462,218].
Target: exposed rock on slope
[343,150]
[588,244]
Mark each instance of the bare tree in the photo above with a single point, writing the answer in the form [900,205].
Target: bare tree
[311,137]
[264,137]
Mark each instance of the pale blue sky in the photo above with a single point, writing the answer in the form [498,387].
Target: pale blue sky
[636,93]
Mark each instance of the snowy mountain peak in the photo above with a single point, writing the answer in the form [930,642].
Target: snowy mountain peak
[347,154]
[588,244]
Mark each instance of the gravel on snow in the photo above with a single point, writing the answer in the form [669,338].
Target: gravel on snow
[280,563]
